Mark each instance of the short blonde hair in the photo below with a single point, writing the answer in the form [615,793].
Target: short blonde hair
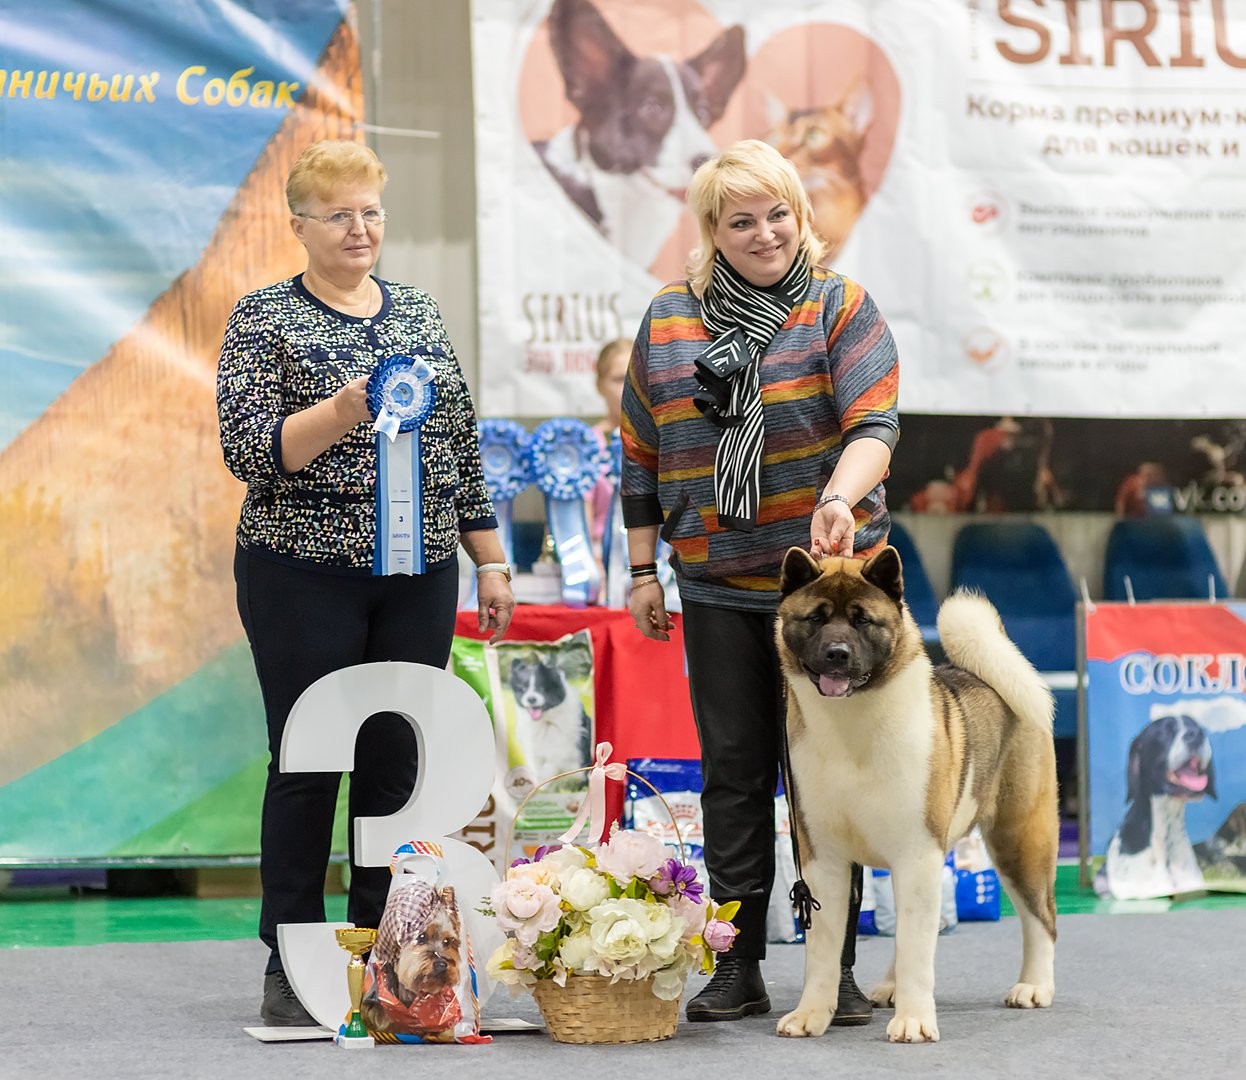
[742,171]
[326,166]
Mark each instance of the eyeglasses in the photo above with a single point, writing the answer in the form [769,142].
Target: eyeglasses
[344,219]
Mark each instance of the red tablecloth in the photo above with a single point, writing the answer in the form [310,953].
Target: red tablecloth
[640,686]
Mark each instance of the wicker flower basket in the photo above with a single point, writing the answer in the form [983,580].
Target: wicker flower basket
[589,1010]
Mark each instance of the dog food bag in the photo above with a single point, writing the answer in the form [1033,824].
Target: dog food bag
[679,781]
[420,981]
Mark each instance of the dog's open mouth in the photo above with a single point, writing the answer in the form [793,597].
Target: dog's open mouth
[836,685]
[1190,777]
[535,712]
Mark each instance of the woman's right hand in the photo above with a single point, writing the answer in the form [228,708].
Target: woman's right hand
[648,610]
[351,402]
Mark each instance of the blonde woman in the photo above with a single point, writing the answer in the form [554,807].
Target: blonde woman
[296,427]
[759,414]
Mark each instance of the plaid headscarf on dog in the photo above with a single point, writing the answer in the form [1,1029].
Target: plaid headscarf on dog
[407,912]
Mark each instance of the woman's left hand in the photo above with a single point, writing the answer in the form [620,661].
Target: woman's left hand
[831,530]
[497,603]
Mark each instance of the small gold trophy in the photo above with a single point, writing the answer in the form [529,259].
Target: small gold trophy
[356,940]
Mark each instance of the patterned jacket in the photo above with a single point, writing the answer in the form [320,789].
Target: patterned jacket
[283,352]
[830,375]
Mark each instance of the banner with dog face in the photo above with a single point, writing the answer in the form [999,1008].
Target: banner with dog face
[1166,748]
[540,695]
[1036,194]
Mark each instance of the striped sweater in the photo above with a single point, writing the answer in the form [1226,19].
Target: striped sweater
[830,374]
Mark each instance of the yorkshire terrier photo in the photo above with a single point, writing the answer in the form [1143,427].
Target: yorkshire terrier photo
[413,975]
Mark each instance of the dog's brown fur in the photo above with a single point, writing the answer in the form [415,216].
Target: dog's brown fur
[894,760]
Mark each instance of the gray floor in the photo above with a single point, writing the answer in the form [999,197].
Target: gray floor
[1137,996]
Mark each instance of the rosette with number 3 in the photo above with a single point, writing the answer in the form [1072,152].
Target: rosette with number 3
[401,395]
[567,459]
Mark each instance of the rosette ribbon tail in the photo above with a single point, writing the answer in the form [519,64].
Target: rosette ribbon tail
[401,394]
[593,809]
[567,460]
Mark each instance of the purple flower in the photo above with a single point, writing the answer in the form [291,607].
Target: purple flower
[537,856]
[676,877]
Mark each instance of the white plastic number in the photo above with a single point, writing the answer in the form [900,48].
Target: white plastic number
[456,748]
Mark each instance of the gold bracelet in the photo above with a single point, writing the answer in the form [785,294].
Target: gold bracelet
[645,581]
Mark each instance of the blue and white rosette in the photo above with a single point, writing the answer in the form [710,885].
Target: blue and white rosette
[567,459]
[504,461]
[401,395]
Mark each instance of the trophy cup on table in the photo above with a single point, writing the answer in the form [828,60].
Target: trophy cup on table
[356,940]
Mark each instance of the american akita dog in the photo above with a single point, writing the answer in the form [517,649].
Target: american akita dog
[895,759]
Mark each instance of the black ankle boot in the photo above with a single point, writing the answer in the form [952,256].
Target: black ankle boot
[736,991]
[854,1008]
[281,1006]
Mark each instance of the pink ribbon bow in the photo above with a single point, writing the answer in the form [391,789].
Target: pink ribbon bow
[595,804]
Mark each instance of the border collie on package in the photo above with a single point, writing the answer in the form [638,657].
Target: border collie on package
[894,759]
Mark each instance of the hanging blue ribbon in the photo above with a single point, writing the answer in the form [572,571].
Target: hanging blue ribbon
[614,540]
[567,459]
[401,395]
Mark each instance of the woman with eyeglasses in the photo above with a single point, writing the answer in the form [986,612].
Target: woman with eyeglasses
[306,367]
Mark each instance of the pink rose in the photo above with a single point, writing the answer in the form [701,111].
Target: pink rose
[719,935]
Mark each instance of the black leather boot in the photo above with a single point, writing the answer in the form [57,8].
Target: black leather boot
[281,1006]
[854,1008]
[735,991]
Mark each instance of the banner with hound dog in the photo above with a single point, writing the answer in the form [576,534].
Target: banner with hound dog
[1036,194]
[1166,748]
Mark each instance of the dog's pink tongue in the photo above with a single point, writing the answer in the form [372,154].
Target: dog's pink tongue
[535,713]
[1192,778]
[833,685]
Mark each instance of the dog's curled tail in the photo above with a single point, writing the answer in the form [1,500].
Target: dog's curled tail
[972,635]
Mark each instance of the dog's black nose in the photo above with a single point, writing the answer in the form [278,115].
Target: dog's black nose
[837,654]
[439,966]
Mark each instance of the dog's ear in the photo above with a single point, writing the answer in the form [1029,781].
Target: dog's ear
[799,568]
[1211,780]
[1133,771]
[885,572]
[589,55]
[721,66]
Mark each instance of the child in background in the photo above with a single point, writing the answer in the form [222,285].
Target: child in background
[612,364]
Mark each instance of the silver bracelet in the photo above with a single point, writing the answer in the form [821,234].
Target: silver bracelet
[830,499]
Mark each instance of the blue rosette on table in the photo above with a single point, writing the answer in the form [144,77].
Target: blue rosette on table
[567,459]
[401,394]
[504,461]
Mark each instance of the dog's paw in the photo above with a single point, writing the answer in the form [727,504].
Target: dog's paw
[800,1023]
[883,996]
[911,1029]
[1030,996]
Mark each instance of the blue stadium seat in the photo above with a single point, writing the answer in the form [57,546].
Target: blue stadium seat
[919,594]
[1018,567]
[1164,558]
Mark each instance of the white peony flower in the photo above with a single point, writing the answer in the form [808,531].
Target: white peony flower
[630,854]
[576,950]
[619,930]
[525,908]
[583,888]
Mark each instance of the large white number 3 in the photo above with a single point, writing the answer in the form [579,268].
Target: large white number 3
[456,747]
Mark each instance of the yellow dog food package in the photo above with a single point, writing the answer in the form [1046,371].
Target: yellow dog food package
[420,981]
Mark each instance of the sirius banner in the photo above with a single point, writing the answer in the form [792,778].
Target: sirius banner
[143,155]
[1036,193]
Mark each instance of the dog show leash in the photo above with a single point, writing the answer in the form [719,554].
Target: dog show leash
[803,901]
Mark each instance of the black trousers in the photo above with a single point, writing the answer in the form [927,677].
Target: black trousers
[739,706]
[303,624]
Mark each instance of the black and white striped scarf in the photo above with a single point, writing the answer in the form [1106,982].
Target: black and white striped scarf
[743,318]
